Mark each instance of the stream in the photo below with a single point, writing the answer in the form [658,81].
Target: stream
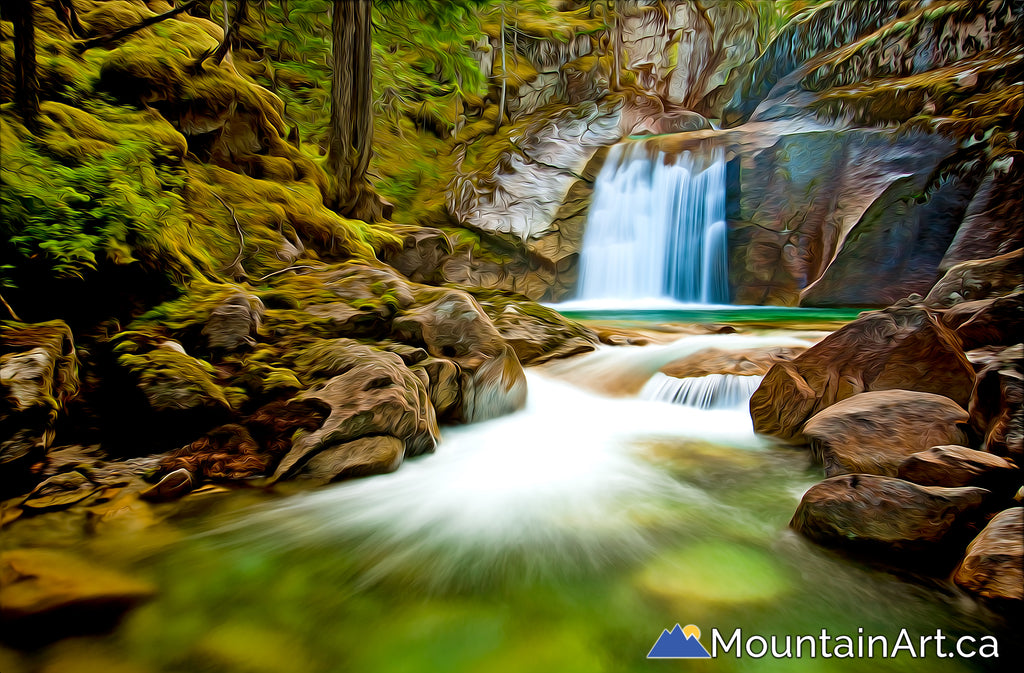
[564,537]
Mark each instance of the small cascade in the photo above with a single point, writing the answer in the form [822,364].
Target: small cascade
[714,391]
[656,228]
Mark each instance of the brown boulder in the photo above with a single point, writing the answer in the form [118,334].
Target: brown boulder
[954,466]
[422,255]
[992,565]
[863,509]
[896,348]
[233,323]
[443,381]
[978,279]
[997,406]
[373,393]
[452,325]
[360,457]
[988,322]
[874,432]
[751,362]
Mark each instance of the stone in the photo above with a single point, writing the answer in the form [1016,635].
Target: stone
[992,565]
[45,594]
[373,394]
[443,381]
[955,466]
[171,487]
[978,279]
[750,362]
[422,255]
[997,406]
[987,322]
[360,457]
[874,432]
[233,323]
[536,333]
[877,511]
[897,348]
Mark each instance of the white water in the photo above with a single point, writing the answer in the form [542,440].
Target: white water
[714,391]
[567,481]
[656,229]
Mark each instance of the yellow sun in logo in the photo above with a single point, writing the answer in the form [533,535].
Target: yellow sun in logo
[691,630]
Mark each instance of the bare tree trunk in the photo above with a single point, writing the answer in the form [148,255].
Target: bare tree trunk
[351,127]
[504,74]
[125,32]
[26,81]
[231,31]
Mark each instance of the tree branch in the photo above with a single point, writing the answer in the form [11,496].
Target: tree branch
[125,32]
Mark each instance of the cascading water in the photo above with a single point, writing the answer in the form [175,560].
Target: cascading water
[656,228]
[714,391]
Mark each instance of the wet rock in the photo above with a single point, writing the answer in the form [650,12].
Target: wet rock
[360,457]
[171,487]
[45,595]
[874,432]
[954,466]
[373,394]
[871,510]
[978,279]
[997,406]
[751,362]
[897,348]
[988,322]
[233,323]
[497,388]
[443,381]
[992,565]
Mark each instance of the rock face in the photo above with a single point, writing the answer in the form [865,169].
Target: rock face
[872,433]
[988,322]
[992,565]
[876,511]
[955,466]
[898,348]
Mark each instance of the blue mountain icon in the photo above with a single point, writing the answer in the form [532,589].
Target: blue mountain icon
[675,644]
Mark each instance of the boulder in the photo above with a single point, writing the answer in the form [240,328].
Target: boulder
[173,486]
[233,323]
[874,432]
[423,252]
[450,324]
[371,393]
[443,381]
[987,322]
[750,362]
[60,491]
[955,466]
[870,510]
[226,453]
[38,377]
[360,457]
[978,279]
[45,595]
[896,348]
[992,566]
[997,406]
[536,333]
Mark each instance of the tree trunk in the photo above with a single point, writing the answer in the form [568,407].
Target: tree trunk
[351,126]
[616,84]
[26,82]
[504,74]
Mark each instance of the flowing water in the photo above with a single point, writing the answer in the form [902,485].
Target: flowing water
[561,538]
[714,391]
[656,228]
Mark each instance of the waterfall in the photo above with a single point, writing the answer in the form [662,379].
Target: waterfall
[714,391]
[656,228]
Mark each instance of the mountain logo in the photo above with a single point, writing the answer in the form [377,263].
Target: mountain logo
[679,643]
